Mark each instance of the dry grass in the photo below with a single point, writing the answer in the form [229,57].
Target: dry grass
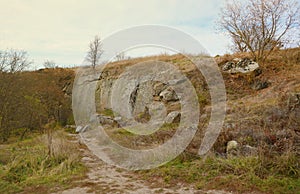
[30,166]
[253,118]
[238,174]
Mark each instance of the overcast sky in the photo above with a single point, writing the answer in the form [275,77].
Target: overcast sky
[60,30]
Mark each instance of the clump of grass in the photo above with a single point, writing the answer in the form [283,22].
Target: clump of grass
[108,112]
[30,164]
[169,126]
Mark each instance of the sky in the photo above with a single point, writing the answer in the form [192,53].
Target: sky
[60,30]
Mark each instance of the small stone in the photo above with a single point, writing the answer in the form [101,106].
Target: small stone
[173,117]
[81,129]
[248,150]
[231,145]
[244,65]
[117,119]
[158,88]
[106,120]
[78,129]
[168,95]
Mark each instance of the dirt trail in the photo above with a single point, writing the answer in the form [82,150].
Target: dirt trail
[104,178]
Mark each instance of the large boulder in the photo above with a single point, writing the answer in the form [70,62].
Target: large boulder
[244,65]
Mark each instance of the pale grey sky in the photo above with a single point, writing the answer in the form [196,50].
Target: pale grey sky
[60,30]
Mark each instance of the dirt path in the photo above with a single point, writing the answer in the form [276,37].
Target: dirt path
[103,178]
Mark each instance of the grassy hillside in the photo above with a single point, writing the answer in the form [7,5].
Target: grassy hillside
[267,120]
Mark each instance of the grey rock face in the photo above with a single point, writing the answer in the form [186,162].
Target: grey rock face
[104,93]
[141,97]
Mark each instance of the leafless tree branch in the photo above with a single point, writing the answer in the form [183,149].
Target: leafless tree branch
[95,51]
[12,61]
[259,26]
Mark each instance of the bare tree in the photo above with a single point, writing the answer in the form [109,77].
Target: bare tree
[13,61]
[120,56]
[259,26]
[95,51]
[49,64]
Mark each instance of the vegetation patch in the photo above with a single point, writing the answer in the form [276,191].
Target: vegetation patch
[29,165]
[279,174]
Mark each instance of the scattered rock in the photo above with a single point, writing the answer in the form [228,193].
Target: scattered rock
[231,146]
[67,89]
[247,150]
[117,119]
[173,117]
[81,129]
[70,126]
[106,120]
[78,129]
[234,149]
[168,95]
[158,88]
